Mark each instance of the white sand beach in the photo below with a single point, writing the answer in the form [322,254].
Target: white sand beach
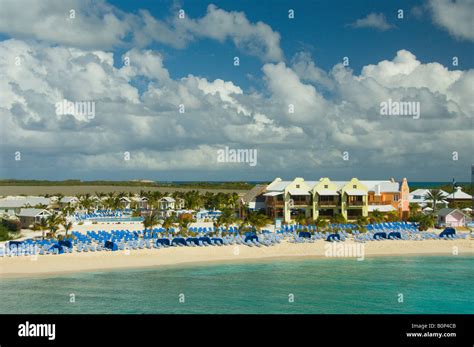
[76,262]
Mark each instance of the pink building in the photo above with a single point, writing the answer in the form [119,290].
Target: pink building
[451,217]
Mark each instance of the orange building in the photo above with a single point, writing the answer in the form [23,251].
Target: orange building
[389,196]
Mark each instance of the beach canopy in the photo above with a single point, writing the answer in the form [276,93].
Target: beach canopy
[251,238]
[394,235]
[65,243]
[164,242]
[111,245]
[448,232]
[333,237]
[305,234]
[178,241]
[217,240]
[58,247]
[194,240]
[380,235]
[205,239]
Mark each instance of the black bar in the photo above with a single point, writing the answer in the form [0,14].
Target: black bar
[320,330]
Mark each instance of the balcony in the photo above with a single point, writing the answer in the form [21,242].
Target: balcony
[328,203]
[275,204]
[355,203]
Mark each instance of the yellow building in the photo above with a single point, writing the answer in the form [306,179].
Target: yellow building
[326,199]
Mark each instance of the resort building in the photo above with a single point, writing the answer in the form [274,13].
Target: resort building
[167,205]
[69,200]
[418,196]
[459,196]
[30,216]
[326,199]
[12,205]
[451,217]
[253,200]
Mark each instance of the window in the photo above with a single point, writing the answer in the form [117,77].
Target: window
[354,186]
[326,186]
[395,197]
[297,186]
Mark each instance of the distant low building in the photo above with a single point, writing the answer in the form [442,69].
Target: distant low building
[418,196]
[458,196]
[30,216]
[451,217]
[12,205]
[253,200]
[69,200]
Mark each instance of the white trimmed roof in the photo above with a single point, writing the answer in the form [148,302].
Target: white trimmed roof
[16,202]
[298,192]
[382,186]
[273,193]
[68,199]
[278,186]
[357,192]
[422,192]
[32,212]
[168,199]
[459,194]
[327,192]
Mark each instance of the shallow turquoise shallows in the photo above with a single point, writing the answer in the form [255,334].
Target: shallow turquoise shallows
[427,284]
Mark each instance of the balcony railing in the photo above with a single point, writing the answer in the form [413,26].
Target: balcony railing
[275,203]
[323,203]
[355,203]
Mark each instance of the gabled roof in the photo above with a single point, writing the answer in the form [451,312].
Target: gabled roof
[328,192]
[381,186]
[278,186]
[459,195]
[423,192]
[32,212]
[356,192]
[447,211]
[299,191]
[167,199]
[16,202]
[68,199]
[253,193]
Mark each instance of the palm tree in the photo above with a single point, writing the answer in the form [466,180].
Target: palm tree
[256,220]
[427,221]
[376,216]
[43,226]
[86,203]
[226,218]
[67,226]
[150,221]
[435,195]
[53,223]
[300,219]
[168,223]
[321,223]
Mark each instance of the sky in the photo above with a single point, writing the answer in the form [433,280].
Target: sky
[166,98]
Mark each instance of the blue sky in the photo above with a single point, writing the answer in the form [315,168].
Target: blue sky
[321,28]
[190,62]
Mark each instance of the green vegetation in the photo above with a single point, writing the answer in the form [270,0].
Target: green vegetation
[73,182]
[7,228]
[435,196]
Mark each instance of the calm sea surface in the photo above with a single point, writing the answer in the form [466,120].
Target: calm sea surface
[427,284]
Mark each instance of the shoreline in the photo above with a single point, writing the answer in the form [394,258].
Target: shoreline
[52,265]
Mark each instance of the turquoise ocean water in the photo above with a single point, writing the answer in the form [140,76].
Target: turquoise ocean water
[428,285]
